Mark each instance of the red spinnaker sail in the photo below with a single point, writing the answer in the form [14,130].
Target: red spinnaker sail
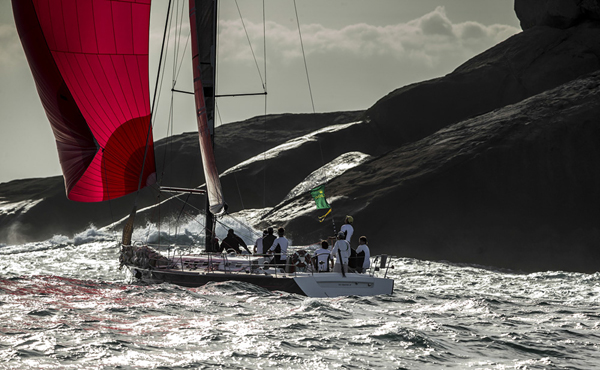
[89,60]
[203,29]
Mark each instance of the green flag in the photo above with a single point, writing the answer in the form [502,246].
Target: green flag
[318,195]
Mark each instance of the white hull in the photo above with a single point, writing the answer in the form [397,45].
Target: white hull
[334,284]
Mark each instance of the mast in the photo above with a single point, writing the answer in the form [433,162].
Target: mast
[203,24]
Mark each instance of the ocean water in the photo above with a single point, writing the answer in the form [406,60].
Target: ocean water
[64,304]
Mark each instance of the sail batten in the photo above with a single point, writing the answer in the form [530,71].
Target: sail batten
[89,59]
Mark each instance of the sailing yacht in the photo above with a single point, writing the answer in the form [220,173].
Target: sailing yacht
[89,60]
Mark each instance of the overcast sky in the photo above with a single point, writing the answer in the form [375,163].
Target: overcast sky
[357,51]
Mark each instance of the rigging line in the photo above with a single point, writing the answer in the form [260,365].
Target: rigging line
[158,210]
[265,44]
[264,150]
[195,218]
[309,86]
[154,210]
[175,44]
[239,190]
[180,213]
[178,43]
[189,204]
[161,74]
[265,115]
[176,197]
[178,39]
[181,22]
[216,71]
[304,56]
[162,49]
[241,224]
[112,218]
[169,138]
[170,123]
[250,44]
[183,55]
[218,113]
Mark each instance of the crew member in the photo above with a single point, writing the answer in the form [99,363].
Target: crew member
[341,253]
[363,255]
[323,257]
[279,248]
[258,244]
[233,242]
[268,240]
[347,228]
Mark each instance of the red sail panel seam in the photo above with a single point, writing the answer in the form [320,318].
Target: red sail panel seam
[57,27]
[95,30]
[49,24]
[86,97]
[129,94]
[65,66]
[88,92]
[110,72]
[102,98]
[146,102]
[125,98]
[135,90]
[75,35]
[113,28]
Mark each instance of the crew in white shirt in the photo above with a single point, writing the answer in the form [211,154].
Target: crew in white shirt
[258,244]
[323,257]
[347,228]
[341,249]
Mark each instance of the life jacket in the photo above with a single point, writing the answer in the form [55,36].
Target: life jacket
[316,262]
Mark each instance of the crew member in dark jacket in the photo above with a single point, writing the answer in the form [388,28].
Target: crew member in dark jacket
[234,242]
[268,240]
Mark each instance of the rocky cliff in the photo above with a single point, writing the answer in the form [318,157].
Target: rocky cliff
[526,64]
[556,13]
[515,187]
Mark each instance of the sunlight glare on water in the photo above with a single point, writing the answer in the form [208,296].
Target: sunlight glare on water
[65,304]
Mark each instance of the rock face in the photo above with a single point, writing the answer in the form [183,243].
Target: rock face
[516,187]
[524,65]
[556,13]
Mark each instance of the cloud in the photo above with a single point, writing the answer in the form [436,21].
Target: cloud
[11,53]
[428,40]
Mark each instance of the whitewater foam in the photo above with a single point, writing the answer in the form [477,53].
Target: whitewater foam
[70,306]
[12,208]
